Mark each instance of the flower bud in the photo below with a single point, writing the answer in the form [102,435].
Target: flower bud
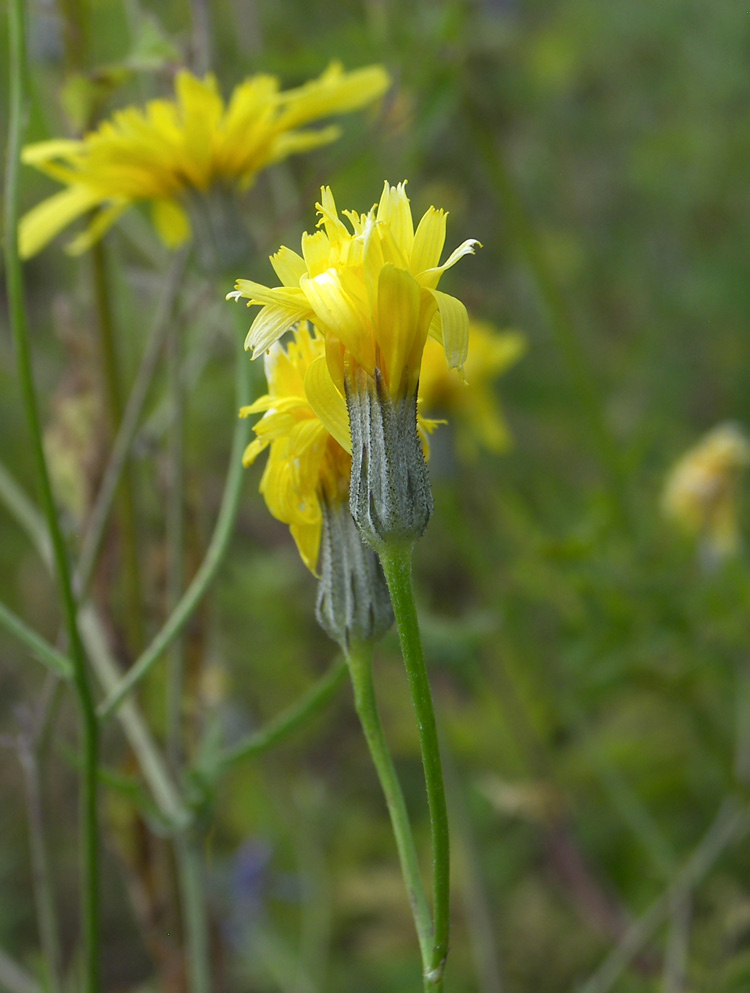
[353,601]
[390,496]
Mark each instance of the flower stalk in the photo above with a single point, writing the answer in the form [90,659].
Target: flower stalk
[19,325]
[359,661]
[396,560]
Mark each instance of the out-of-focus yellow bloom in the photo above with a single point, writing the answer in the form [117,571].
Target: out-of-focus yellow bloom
[195,142]
[372,292]
[701,490]
[472,405]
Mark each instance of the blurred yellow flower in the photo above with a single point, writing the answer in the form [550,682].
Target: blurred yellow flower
[472,404]
[372,292]
[195,142]
[701,490]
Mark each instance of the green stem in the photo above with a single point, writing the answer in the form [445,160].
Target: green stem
[193,903]
[294,717]
[89,724]
[113,389]
[359,660]
[396,561]
[49,933]
[563,327]
[40,648]
[128,426]
[175,536]
[213,558]
[14,979]
[731,823]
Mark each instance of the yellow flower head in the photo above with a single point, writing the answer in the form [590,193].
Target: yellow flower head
[306,464]
[371,290]
[191,143]
[472,403]
[701,490]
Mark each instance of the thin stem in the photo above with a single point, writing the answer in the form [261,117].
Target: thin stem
[164,792]
[563,326]
[193,903]
[359,661]
[89,724]
[730,823]
[49,934]
[14,979]
[128,425]
[396,561]
[213,558]
[297,715]
[40,648]
[113,389]
[175,536]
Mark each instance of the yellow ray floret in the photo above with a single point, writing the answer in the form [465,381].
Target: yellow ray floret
[191,142]
[370,287]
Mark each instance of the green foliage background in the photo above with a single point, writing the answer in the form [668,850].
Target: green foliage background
[587,671]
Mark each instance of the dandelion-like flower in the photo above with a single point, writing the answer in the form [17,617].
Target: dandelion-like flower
[306,485]
[472,403]
[195,145]
[371,290]
[701,490]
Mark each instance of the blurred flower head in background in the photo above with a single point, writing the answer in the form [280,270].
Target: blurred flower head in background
[472,404]
[701,492]
[196,143]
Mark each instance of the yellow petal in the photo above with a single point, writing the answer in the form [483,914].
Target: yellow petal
[288,266]
[269,325]
[103,221]
[41,151]
[171,221]
[454,328]
[327,403]
[431,277]
[429,239]
[307,538]
[397,321]
[43,222]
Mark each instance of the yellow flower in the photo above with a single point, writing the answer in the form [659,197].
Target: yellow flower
[371,291]
[304,461]
[195,142]
[701,490]
[472,403]
[306,464]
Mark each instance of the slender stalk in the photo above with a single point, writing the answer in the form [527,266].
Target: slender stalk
[89,723]
[175,537]
[294,717]
[213,558]
[730,823]
[128,425]
[193,903]
[396,561]
[113,388]
[163,790]
[359,660]
[14,979]
[49,934]
[40,648]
